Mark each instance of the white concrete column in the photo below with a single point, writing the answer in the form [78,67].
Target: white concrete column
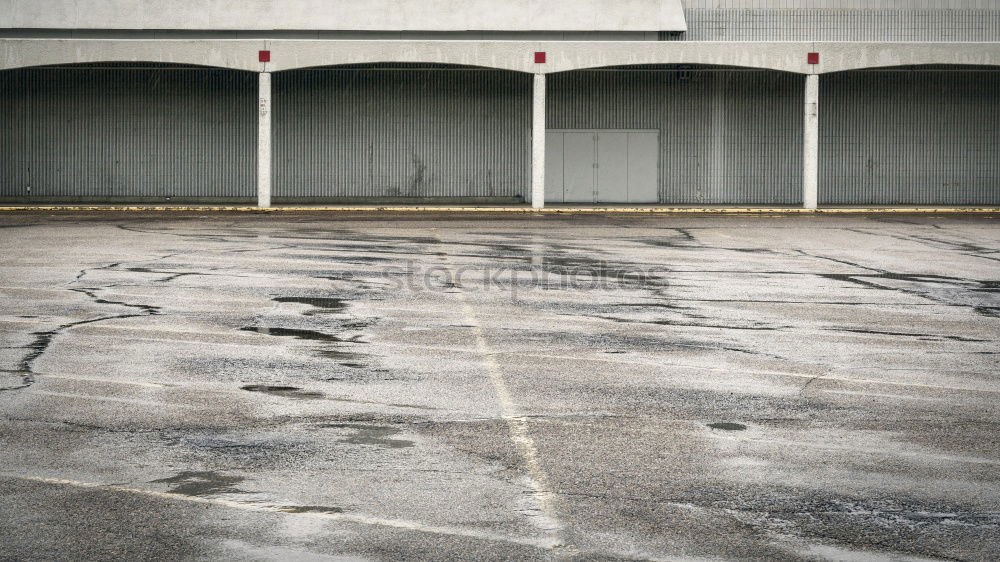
[538,144]
[810,153]
[264,141]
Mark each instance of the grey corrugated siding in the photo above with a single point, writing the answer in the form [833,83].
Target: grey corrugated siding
[117,133]
[830,24]
[841,4]
[373,133]
[726,137]
[14,110]
[910,137]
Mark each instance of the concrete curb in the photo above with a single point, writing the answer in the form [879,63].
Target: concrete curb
[502,210]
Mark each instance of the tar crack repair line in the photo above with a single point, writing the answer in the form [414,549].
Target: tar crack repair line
[543,514]
[42,341]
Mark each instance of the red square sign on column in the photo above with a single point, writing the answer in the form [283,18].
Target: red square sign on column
[264,56]
[540,57]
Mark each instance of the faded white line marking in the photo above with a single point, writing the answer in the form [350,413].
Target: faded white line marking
[653,364]
[542,513]
[108,399]
[43,376]
[361,519]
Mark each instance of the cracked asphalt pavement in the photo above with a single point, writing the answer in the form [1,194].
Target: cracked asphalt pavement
[432,386]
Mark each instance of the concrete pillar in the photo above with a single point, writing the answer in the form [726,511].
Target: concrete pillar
[538,144]
[810,153]
[264,142]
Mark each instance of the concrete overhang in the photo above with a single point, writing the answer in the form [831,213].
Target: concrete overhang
[347,15]
[837,57]
[507,55]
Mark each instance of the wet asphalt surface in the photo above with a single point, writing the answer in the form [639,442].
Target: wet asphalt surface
[364,387]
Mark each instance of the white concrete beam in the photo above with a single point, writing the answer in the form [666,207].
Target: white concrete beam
[508,55]
[234,54]
[538,144]
[810,144]
[264,142]
[561,55]
[838,57]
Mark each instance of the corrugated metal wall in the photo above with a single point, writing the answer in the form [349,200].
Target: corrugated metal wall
[831,23]
[402,132]
[841,4]
[726,136]
[910,137]
[130,134]
[14,111]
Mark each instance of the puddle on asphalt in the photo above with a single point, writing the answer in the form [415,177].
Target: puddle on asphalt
[206,483]
[751,250]
[209,483]
[727,426]
[668,243]
[371,435]
[339,355]
[324,304]
[308,509]
[680,324]
[171,275]
[284,391]
[991,311]
[345,276]
[311,335]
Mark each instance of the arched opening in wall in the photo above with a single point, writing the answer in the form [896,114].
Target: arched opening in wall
[674,134]
[128,132]
[406,133]
[915,135]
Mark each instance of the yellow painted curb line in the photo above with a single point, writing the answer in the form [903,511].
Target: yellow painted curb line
[525,210]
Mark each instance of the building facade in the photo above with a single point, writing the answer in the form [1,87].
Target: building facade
[646,102]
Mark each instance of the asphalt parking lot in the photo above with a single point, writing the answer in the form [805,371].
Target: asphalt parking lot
[372,387]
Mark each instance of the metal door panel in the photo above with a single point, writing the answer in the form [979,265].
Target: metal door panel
[643,167]
[553,167]
[612,167]
[578,167]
